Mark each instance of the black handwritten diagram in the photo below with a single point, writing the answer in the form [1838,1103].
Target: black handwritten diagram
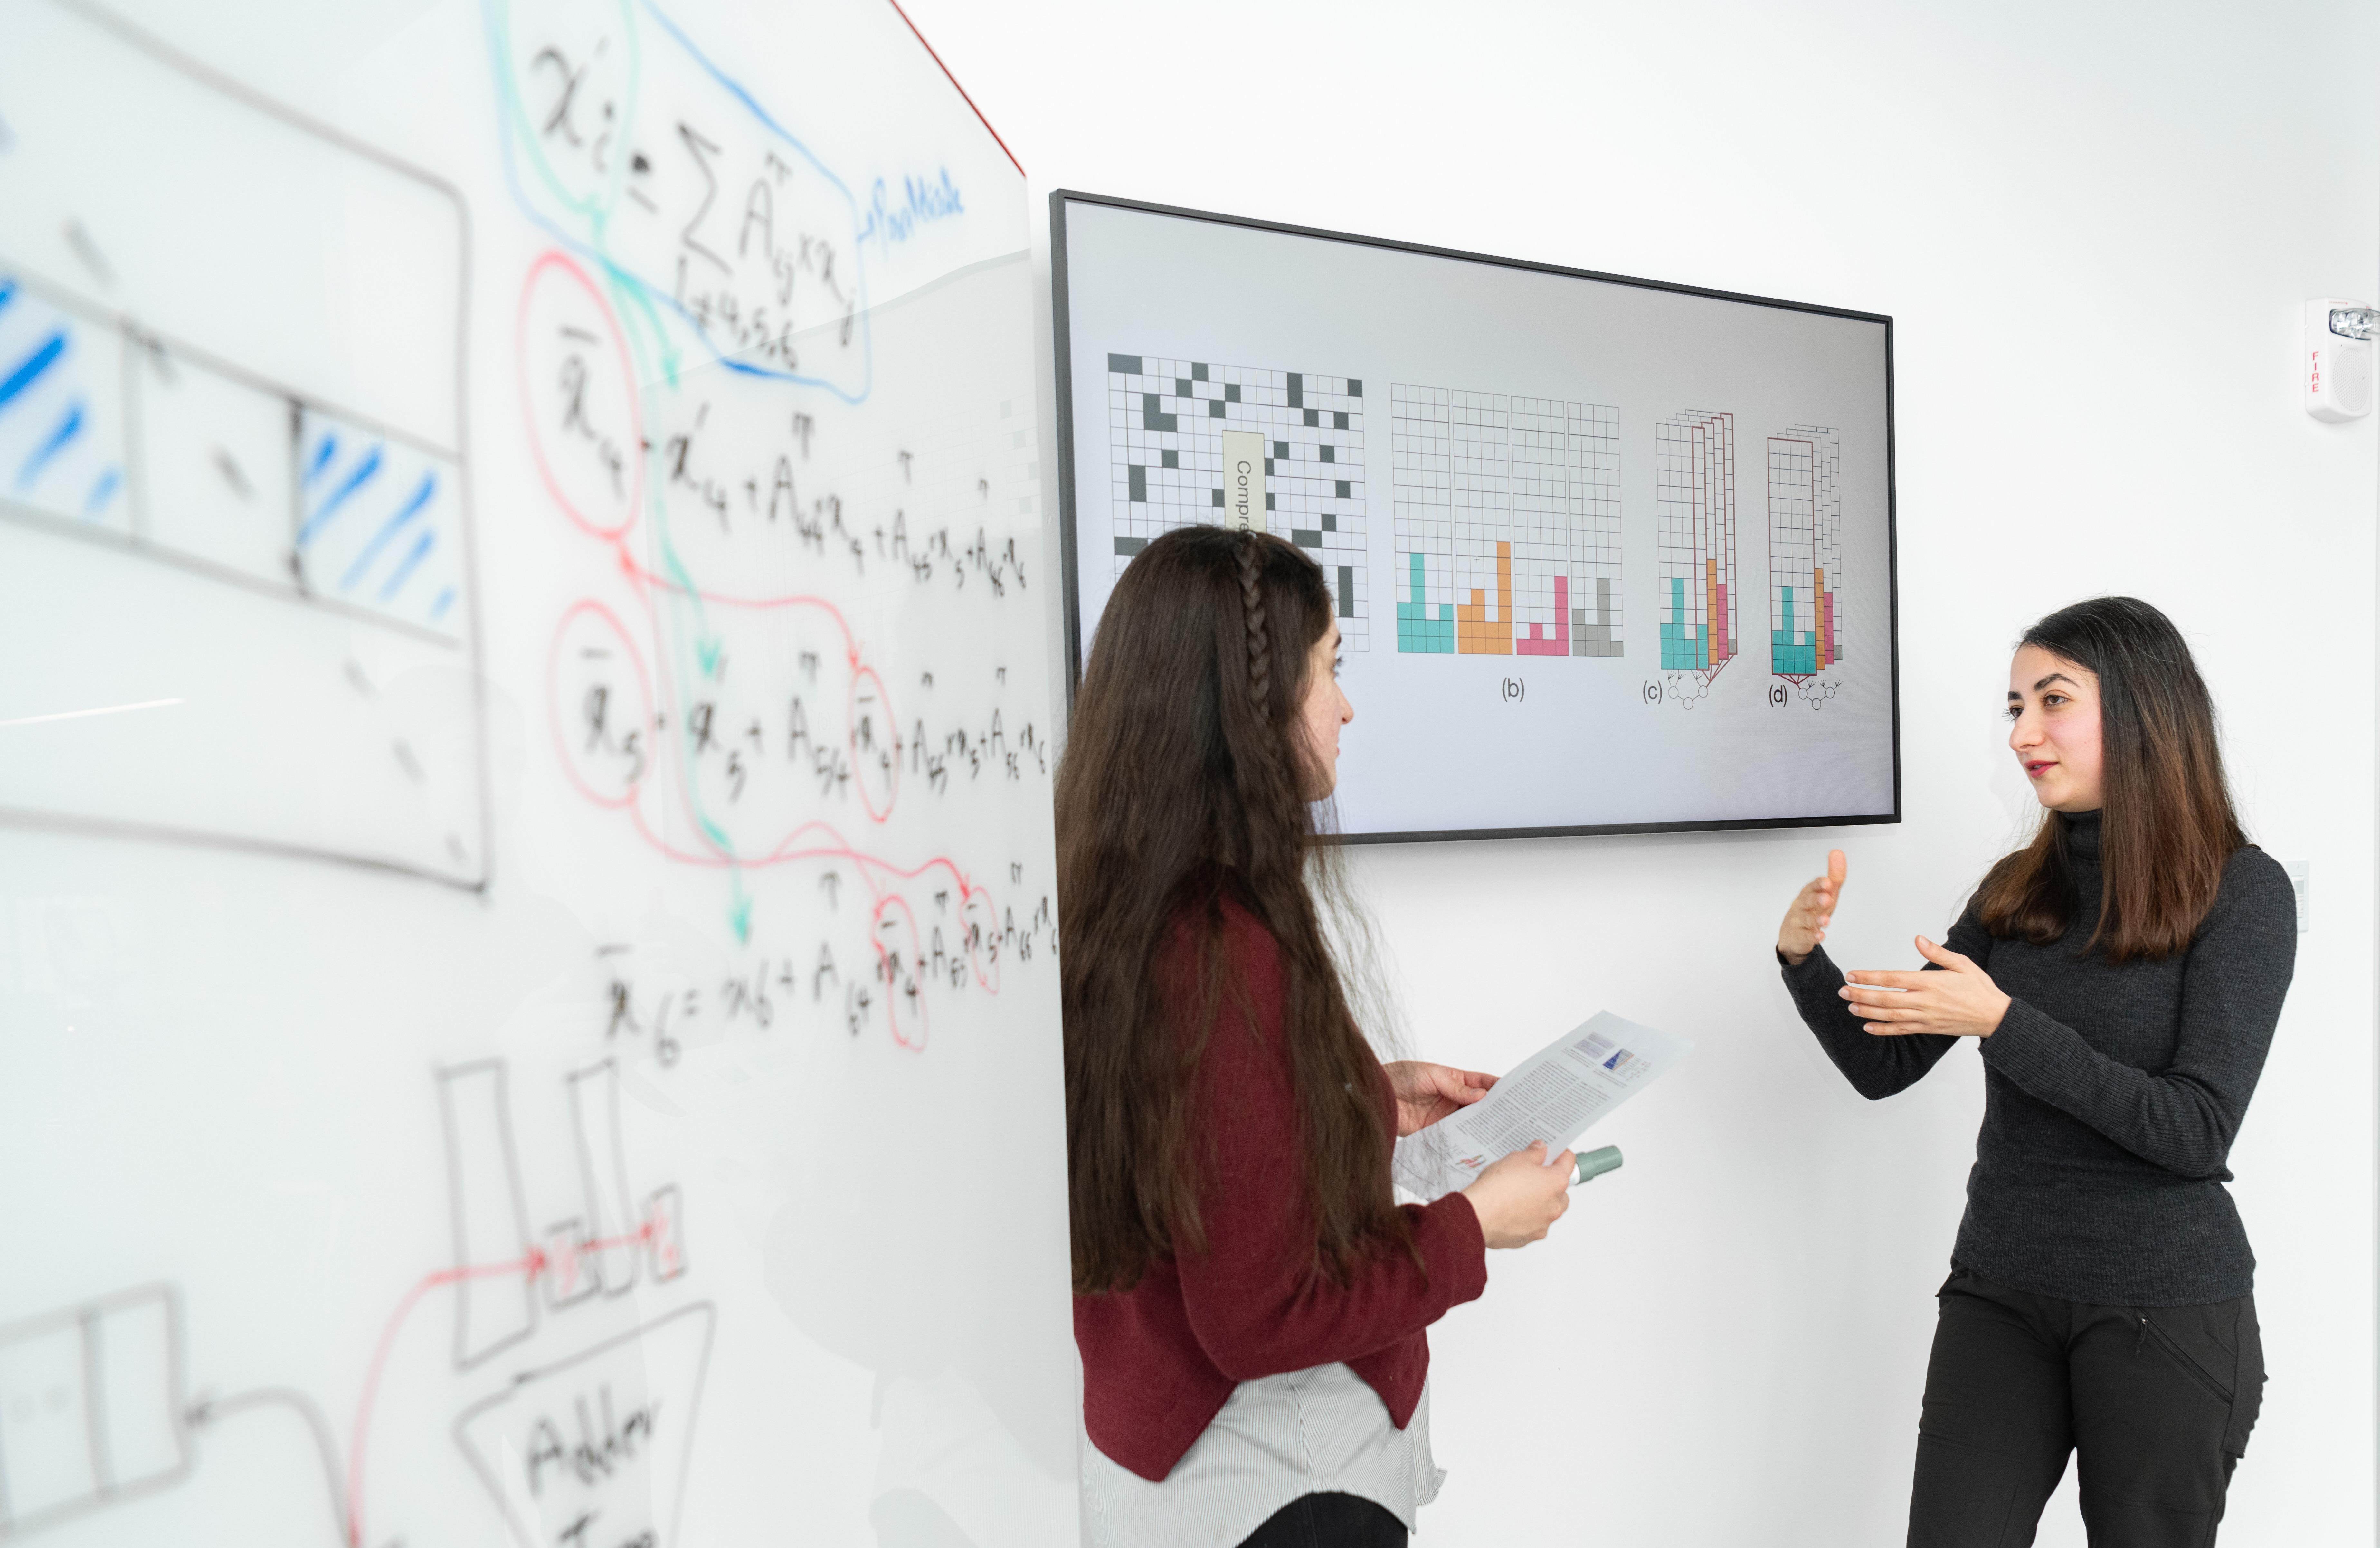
[282,536]
[606,1431]
[606,1434]
[615,1239]
[97,1408]
[1166,422]
[92,1408]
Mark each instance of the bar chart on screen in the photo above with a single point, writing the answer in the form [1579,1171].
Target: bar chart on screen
[1805,561]
[1601,587]
[1693,459]
[1507,524]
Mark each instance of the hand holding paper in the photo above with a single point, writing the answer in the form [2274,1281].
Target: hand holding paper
[1426,1092]
[1519,1198]
[1553,1096]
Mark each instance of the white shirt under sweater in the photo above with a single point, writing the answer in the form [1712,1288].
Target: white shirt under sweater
[1318,1431]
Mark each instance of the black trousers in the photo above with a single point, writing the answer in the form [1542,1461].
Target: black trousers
[2157,1401]
[1331,1520]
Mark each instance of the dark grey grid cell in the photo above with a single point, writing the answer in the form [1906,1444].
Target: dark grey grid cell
[1195,402]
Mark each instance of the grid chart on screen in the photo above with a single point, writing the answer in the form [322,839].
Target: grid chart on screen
[1805,550]
[1507,524]
[1694,478]
[1166,421]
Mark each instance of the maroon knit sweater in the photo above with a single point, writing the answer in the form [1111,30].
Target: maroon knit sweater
[1159,1359]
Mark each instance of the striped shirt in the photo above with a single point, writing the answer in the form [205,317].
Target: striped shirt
[1310,1431]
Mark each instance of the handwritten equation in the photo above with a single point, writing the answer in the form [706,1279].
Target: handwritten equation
[813,538]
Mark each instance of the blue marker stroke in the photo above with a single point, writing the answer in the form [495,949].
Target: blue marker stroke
[446,599]
[103,490]
[922,201]
[389,529]
[327,449]
[405,571]
[67,429]
[30,369]
[330,508]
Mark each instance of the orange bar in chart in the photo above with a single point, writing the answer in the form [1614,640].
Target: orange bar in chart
[1475,633]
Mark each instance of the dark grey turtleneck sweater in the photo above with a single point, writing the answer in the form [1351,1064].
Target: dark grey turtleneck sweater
[2112,1093]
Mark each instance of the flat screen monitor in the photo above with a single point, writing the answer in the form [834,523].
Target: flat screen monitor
[1607,555]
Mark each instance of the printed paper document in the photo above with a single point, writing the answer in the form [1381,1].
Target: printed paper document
[1556,1095]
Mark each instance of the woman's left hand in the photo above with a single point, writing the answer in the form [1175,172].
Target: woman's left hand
[1427,1092]
[1961,1002]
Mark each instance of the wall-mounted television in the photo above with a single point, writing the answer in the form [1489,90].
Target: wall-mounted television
[1608,555]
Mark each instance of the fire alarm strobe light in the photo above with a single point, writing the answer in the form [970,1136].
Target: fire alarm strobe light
[2337,361]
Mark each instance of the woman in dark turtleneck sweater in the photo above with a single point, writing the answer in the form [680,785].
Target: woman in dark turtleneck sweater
[2122,975]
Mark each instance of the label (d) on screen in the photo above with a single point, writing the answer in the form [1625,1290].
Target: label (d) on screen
[1243,481]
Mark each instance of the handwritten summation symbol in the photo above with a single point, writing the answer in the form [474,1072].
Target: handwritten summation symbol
[779,521]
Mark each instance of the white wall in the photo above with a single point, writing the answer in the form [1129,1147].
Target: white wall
[2094,226]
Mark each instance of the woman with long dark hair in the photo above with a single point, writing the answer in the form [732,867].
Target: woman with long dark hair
[1249,1297]
[2121,974]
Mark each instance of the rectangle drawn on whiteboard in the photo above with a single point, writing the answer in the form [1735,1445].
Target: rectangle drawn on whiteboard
[232,452]
[92,1408]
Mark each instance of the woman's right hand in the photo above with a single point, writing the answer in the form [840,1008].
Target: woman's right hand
[1814,908]
[1519,1198]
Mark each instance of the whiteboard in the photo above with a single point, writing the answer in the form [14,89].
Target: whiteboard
[527,993]
[1607,555]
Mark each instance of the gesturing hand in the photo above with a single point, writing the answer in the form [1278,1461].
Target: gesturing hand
[1427,1092]
[1814,907]
[1962,1002]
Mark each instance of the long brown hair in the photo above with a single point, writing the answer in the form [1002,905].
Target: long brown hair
[1184,784]
[2168,826]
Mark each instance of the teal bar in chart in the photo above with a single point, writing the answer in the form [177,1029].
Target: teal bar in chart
[1416,630]
[1791,653]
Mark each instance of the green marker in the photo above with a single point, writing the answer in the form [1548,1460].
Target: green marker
[1593,1163]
